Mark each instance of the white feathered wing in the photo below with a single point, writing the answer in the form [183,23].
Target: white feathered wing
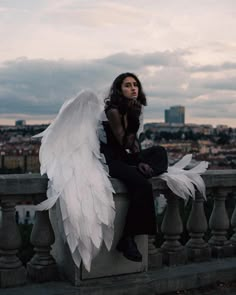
[70,156]
[184,182]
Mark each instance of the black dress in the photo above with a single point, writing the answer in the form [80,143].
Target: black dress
[141,217]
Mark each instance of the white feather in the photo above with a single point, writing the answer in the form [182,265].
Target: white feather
[183,162]
[184,182]
[70,156]
[47,204]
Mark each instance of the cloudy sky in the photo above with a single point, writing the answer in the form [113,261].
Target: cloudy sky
[183,51]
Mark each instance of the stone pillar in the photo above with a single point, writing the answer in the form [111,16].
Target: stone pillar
[219,225]
[197,248]
[233,224]
[42,266]
[12,272]
[154,255]
[25,167]
[3,161]
[172,227]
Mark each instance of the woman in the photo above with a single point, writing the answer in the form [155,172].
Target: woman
[77,179]
[127,162]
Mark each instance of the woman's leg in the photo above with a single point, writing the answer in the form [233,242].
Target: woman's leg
[156,157]
[141,217]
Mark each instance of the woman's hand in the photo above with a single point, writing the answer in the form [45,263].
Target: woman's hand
[134,104]
[130,138]
[145,169]
[135,147]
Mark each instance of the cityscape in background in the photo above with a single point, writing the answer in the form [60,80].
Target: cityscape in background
[19,151]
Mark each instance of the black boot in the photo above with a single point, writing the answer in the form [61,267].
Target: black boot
[129,248]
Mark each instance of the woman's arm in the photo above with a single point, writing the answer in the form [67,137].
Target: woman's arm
[123,137]
[127,141]
[115,123]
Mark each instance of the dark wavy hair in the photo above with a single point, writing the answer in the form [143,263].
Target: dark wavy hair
[115,96]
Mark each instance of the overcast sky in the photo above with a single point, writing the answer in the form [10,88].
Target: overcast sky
[183,51]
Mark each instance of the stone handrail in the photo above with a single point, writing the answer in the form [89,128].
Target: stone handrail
[42,267]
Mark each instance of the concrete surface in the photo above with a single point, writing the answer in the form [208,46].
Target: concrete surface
[188,279]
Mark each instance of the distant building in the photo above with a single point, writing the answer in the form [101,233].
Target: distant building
[222,128]
[20,123]
[25,214]
[175,114]
[174,128]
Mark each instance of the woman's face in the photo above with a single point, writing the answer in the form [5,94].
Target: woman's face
[129,88]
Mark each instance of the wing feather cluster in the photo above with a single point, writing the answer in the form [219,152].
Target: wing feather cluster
[184,183]
[70,156]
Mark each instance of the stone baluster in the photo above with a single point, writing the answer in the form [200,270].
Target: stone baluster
[12,272]
[197,248]
[154,255]
[233,224]
[42,266]
[219,225]
[152,249]
[172,227]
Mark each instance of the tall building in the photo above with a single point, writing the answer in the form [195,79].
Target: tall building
[175,114]
[20,123]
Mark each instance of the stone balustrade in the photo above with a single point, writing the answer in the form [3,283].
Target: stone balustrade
[210,236]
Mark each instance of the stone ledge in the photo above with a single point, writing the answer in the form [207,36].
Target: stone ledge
[168,279]
[34,184]
[12,277]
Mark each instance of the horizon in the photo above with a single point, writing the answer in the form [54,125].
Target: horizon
[11,122]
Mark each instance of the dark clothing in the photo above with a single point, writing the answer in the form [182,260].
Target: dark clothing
[141,217]
[112,150]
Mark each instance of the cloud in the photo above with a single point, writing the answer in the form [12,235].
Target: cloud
[222,84]
[214,68]
[39,86]
[94,14]
[77,29]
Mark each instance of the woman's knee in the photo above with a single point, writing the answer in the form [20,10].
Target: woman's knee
[161,153]
[160,150]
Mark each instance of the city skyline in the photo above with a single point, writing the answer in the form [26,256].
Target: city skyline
[184,54]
